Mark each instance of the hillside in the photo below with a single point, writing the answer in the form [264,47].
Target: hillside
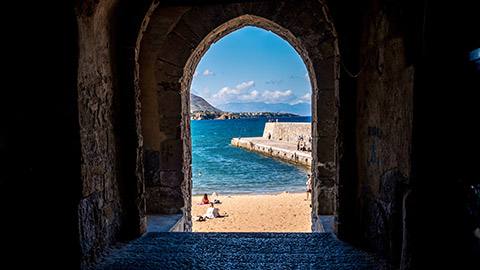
[198,104]
[300,108]
[230,115]
[200,109]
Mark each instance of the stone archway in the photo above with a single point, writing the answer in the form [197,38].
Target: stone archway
[173,41]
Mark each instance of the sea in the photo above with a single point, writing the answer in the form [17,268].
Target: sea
[219,167]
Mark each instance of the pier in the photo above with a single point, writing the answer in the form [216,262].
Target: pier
[280,140]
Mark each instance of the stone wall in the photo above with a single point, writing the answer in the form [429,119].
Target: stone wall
[379,112]
[100,208]
[170,45]
[288,132]
[384,119]
[174,40]
[136,63]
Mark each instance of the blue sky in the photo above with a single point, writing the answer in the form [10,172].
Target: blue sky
[252,65]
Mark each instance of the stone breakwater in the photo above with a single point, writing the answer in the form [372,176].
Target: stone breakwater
[280,140]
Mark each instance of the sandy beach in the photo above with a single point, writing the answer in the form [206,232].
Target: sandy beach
[284,212]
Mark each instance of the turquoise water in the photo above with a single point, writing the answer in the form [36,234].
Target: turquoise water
[230,170]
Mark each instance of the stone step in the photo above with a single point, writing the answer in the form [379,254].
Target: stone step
[239,251]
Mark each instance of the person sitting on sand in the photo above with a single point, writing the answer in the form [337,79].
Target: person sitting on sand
[205,199]
[198,218]
[212,212]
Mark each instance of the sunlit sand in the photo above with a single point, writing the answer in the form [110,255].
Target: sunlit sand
[285,212]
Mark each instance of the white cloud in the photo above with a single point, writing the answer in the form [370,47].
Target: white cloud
[307,98]
[239,93]
[244,93]
[226,93]
[252,96]
[208,72]
[278,96]
[245,85]
[206,92]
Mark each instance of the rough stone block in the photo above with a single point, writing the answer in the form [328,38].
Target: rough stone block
[164,200]
[152,167]
[182,30]
[157,30]
[192,18]
[326,71]
[304,23]
[325,150]
[171,157]
[175,50]
[288,17]
[171,178]
[166,71]
[324,200]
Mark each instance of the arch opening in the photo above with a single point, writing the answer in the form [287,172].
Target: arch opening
[249,58]
[170,49]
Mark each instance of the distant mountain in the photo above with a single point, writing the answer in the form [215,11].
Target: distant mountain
[198,104]
[201,109]
[236,115]
[303,109]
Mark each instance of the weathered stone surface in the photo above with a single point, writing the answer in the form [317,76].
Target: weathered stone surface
[94,226]
[171,179]
[288,131]
[164,200]
[171,154]
[384,130]
[173,40]
[152,168]
[324,199]
[194,29]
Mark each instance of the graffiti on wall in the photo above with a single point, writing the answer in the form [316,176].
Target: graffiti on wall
[373,131]
[376,134]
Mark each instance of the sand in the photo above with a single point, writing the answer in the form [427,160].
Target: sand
[285,212]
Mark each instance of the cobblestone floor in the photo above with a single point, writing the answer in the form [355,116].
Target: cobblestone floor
[239,251]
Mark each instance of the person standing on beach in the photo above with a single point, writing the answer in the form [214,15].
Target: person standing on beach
[309,185]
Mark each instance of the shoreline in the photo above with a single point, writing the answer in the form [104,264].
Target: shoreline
[241,194]
[194,116]
[279,212]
